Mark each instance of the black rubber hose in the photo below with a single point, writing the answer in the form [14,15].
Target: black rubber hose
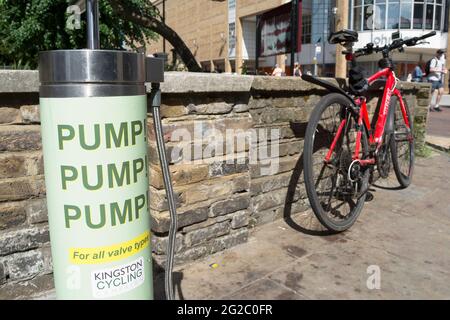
[168,282]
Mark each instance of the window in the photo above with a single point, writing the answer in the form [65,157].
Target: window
[405,14]
[397,14]
[438,18]
[306,29]
[393,15]
[357,18]
[439,11]
[368,17]
[380,16]
[418,15]
[429,16]
[357,15]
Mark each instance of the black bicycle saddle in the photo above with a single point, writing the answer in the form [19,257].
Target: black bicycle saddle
[343,37]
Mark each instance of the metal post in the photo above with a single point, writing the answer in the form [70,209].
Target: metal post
[164,21]
[324,40]
[447,55]
[258,43]
[294,14]
[323,54]
[315,66]
[93,32]
[341,22]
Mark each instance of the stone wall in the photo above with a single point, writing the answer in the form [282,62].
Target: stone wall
[221,192]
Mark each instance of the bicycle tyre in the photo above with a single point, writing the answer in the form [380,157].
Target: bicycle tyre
[404,177]
[310,148]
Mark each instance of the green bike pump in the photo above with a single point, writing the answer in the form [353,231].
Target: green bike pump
[93,107]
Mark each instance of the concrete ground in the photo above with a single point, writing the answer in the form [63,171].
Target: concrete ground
[438,126]
[402,236]
[398,249]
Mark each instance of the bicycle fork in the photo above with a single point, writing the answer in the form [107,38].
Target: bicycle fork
[359,130]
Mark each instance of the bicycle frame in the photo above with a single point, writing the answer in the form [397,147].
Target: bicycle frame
[376,138]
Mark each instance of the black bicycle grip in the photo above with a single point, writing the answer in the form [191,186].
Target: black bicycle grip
[413,41]
[430,34]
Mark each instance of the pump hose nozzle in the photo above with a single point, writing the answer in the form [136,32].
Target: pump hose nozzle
[156,102]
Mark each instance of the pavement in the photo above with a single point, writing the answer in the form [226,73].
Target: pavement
[438,126]
[398,249]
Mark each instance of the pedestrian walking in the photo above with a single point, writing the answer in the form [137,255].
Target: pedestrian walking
[297,71]
[409,77]
[277,71]
[435,77]
[417,74]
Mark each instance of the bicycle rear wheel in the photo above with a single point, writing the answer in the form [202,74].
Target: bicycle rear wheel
[402,144]
[335,199]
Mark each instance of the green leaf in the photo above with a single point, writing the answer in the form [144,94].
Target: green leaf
[27,27]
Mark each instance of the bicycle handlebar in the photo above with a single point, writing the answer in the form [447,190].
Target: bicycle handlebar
[412,42]
[396,44]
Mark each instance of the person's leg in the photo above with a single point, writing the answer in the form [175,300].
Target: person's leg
[434,92]
[440,91]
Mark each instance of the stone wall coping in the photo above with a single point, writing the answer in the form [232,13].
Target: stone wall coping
[27,81]
[184,82]
[20,81]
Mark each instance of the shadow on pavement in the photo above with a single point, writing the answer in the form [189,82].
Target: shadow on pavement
[158,283]
[304,226]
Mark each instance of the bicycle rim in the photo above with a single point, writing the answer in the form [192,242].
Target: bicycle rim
[331,194]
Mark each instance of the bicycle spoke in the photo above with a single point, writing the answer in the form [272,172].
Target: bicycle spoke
[404,150]
[320,175]
[326,177]
[333,186]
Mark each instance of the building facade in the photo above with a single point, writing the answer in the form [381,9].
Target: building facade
[222,33]
[377,20]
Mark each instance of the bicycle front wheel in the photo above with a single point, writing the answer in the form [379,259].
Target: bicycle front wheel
[334,186]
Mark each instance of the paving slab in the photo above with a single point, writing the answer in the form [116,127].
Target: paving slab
[404,234]
[344,274]
[440,143]
[398,249]
[438,126]
[266,289]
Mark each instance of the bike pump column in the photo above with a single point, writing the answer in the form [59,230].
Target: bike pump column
[93,114]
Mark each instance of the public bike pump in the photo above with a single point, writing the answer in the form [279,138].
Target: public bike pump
[94,133]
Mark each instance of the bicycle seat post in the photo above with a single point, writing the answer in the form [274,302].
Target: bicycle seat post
[349,54]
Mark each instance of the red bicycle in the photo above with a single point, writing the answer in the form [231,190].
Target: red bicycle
[343,148]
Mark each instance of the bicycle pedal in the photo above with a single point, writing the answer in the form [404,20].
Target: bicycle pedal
[369,196]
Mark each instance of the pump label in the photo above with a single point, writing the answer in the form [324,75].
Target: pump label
[96,176]
[111,253]
[117,280]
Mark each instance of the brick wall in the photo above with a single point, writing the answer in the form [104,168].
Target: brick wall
[221,193]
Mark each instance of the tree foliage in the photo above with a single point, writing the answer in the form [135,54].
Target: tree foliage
[156,24]
[27,27]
